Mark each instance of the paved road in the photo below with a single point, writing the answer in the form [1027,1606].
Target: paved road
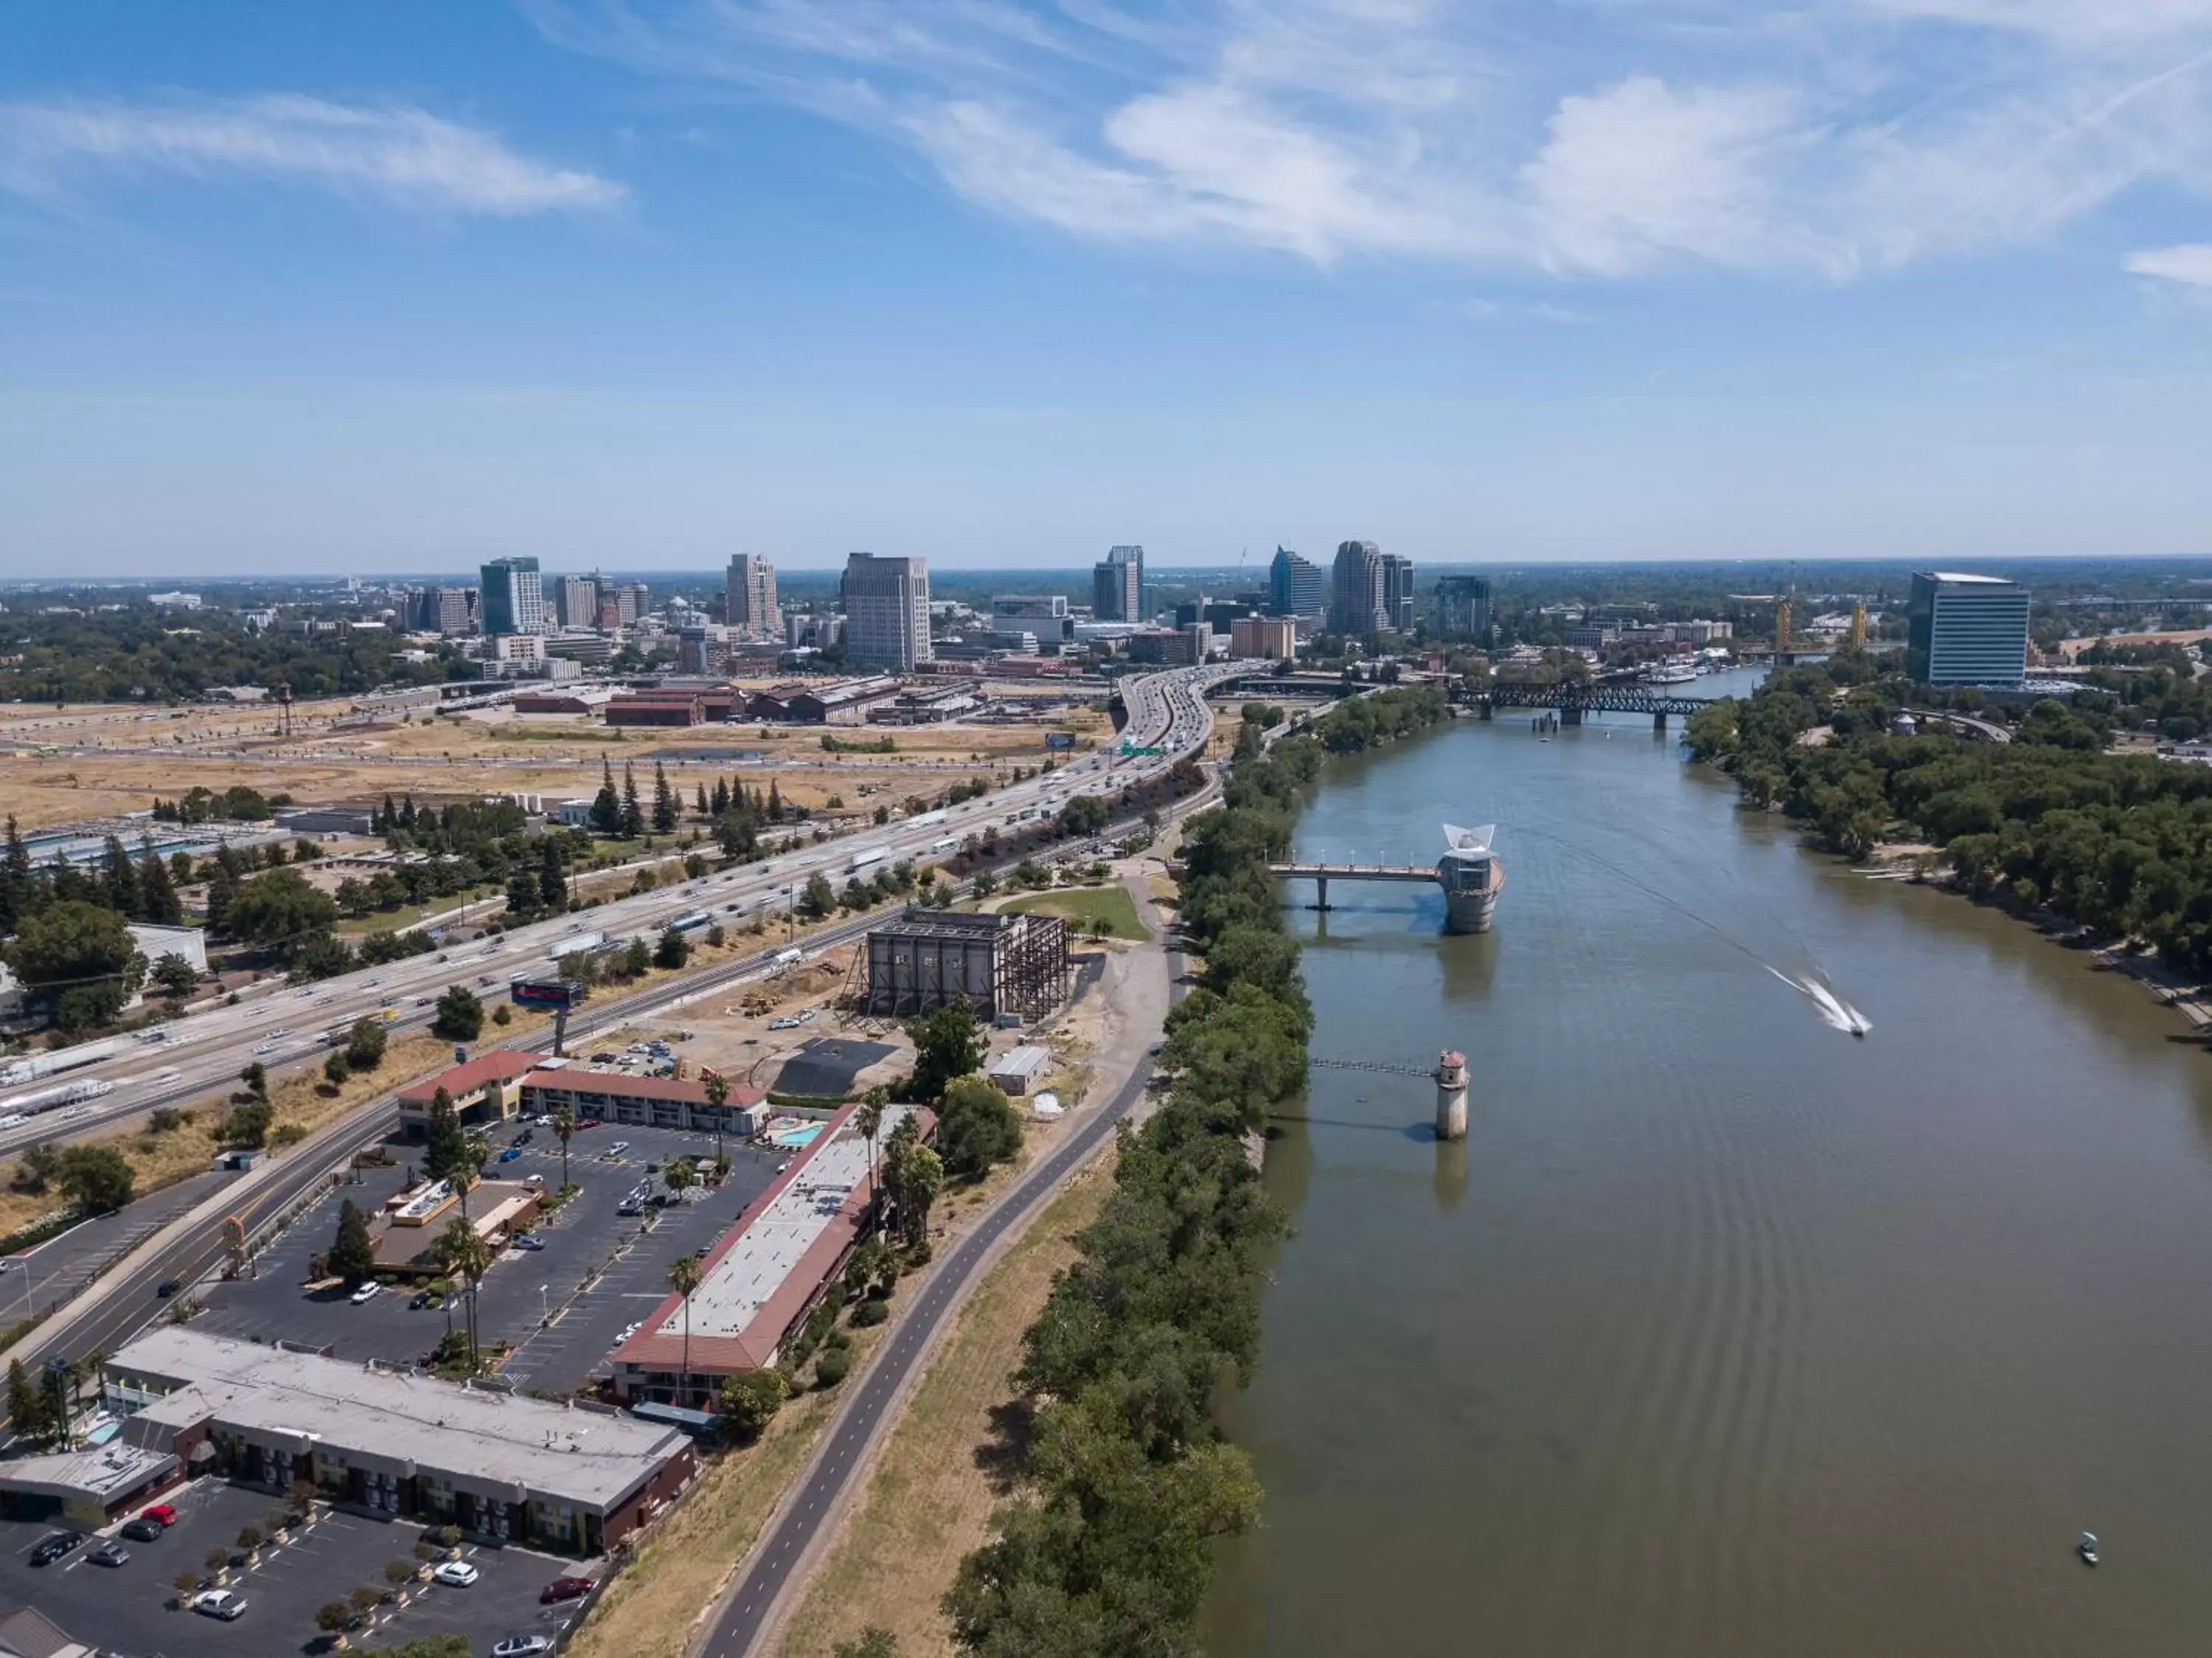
[781,1552]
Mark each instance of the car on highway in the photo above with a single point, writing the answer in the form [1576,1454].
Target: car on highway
[456,1574]
[367,1293]
[522,1646]
[563,1588]
[56,1545]
[264,1047]
[165,1289]
[110,1553]
[219,1603]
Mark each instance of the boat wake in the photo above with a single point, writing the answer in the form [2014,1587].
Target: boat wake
[1836,1014]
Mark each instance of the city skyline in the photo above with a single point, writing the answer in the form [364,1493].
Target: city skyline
[1926,279]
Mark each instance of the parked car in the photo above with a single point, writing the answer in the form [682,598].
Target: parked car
[110,1553]
[509,1154]
[418,1301]
[527,1240]
[219,1603]
[56,1545]
[587,1122]
[143,1530]
[629,1205]
[563,1588]
[367,1293]
[617,1148]
[523,1646]
[160,1514]
[456,1574]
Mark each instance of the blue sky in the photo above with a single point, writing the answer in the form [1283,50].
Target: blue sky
[400,284]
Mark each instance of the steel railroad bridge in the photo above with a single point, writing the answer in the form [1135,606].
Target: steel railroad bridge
[1572,701]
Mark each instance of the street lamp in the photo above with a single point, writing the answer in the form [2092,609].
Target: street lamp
[13,1260]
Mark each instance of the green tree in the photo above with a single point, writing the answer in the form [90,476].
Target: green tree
[977,1127]
[564,1130]
[158,902]
[665,810]
[521,896]
[96,1178]
[256,1078]
[459,1015]
[947,1043]
[606,805]
[633,817]
[819,899]
[280,911]
[675,949]
[365,1042]
[552,878]
[683,1275]
[749,1402]
[873,1641]
[913,1176]
[338,1069]
[353,1255]
[174,975]
[445,1153]
[717,1087]
[464,1254]
[30,1412]
[868,1118]
[636,958]
[247,1125]
[78,961]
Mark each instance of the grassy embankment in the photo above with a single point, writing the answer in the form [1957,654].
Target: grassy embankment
[1082,905]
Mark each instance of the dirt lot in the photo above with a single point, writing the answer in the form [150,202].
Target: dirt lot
[116,759]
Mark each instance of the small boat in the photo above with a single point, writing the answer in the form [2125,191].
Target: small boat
[2087,1548]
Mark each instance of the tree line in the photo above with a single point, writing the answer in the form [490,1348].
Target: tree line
[1110,1548]
[2121,842]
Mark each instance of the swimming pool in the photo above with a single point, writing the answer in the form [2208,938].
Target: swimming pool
[795,1138]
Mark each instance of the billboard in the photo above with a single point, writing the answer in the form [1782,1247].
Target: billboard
[1060,740]
[545,993]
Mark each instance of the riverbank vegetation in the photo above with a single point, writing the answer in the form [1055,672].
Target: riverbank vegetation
[1129,1482]
[2120,842]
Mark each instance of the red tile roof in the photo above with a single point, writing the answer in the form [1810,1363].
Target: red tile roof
[498,1065]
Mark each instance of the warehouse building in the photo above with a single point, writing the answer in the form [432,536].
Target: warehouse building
[501,1466]
[1008,963]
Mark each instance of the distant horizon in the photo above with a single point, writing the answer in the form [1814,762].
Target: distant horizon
[1256,570]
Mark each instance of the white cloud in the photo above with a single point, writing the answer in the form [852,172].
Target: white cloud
[1821,139]
[399,155]
[2192,263]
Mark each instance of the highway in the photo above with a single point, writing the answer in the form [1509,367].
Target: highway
[1172,716]
[289,1025]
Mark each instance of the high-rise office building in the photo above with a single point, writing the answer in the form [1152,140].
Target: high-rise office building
[1296,586]
[513,599]
[637,601]
[1117,586]
[750,598]
[1355,602]
[1965,629]
[576,600]
[1462,608]
[1398,592]
[886,611]
[441,610]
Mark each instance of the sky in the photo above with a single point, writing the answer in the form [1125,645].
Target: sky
[401,284]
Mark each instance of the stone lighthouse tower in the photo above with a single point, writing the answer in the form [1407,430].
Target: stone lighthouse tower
[1451,1095]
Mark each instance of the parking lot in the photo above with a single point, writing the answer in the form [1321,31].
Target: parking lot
[523,1285]
[130,1608]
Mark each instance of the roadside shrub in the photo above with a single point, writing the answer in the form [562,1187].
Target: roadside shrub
[870,1313]
[832,1368]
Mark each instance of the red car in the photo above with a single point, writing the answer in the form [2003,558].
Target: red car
[564,1588]
[160,1514]
[583,1123]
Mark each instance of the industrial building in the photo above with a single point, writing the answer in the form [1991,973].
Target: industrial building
[835,702]
[499,1466]
[998,964]
[1964,629]
[768,1269]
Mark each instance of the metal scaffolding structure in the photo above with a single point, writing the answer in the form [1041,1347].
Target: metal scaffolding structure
[998,964]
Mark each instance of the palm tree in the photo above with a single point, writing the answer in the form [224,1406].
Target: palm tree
[466,1252]
[868,1118]
[564,1125]
[478,1146]
[683,1275]
[718,1091]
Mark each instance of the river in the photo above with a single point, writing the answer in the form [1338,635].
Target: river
[1724,1335]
